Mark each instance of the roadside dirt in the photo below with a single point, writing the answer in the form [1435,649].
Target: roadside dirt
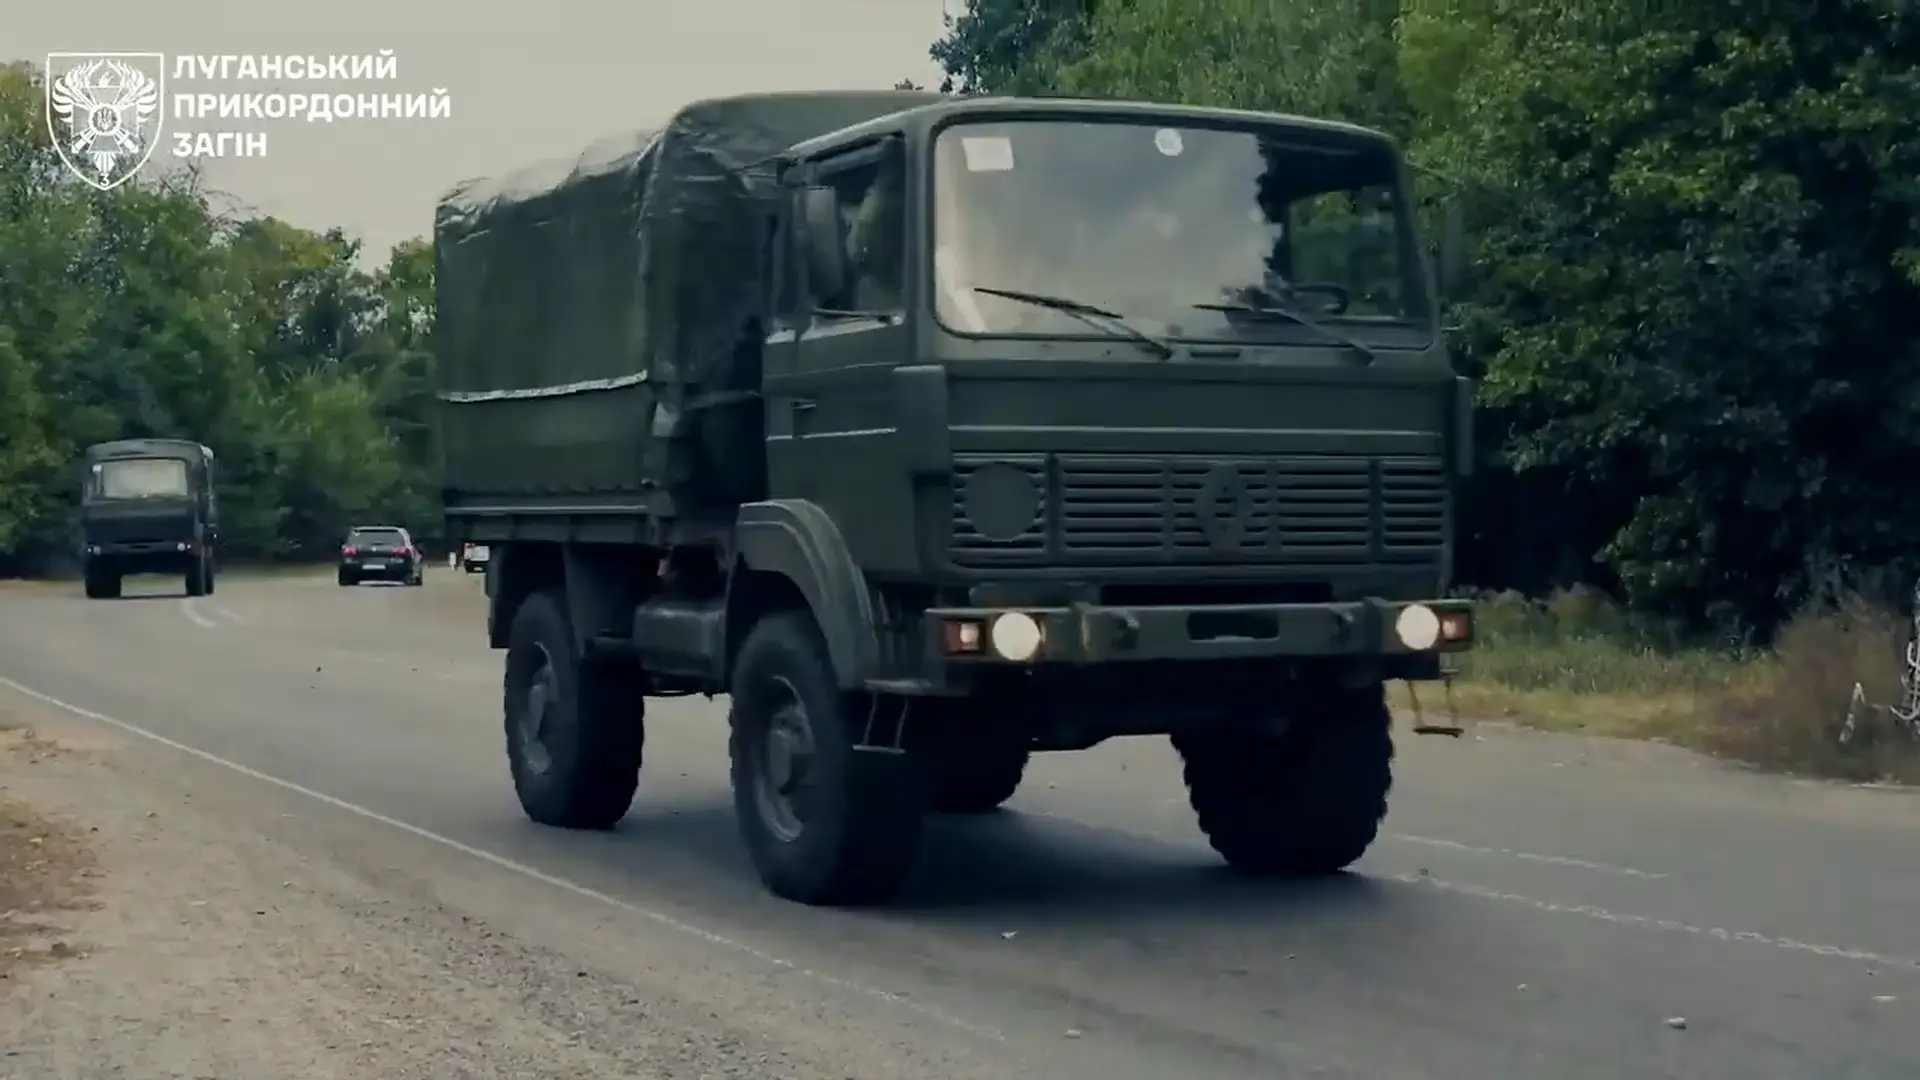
[151,930]
[47,869]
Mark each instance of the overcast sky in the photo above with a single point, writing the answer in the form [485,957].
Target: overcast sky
[529,79]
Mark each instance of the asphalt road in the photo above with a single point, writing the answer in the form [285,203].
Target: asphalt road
[1544,907]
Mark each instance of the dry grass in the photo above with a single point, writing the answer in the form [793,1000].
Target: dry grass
[1577,662]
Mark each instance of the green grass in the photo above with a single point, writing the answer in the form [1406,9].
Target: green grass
[1576,662]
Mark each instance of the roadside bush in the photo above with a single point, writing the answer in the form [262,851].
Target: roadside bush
[1794,716]
[1578,661]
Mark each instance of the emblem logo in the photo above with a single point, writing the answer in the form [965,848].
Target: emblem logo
[105,112]
[1224,508]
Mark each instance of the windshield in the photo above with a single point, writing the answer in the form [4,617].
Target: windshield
[1146,221]
[139,478]
[377,537]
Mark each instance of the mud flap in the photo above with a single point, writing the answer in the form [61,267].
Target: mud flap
[1425,725]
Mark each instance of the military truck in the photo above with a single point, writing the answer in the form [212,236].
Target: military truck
[937,432]
[147,506]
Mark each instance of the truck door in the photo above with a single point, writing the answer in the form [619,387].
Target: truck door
[829,397]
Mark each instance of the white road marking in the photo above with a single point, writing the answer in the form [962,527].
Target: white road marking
[1586,911]
[1180,801]
[1670,926]
[513,866]
[228,614]
[193,614]
[1528,856]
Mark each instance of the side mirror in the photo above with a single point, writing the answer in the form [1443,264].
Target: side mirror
[1452,267]
[824,237]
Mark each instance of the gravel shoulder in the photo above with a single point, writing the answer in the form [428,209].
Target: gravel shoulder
[156,930]
[153,940]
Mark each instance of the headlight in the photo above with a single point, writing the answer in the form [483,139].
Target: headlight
[1015,636]
[1417,627]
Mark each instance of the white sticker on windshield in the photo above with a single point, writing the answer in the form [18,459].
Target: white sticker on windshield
[988,153]
[1167,141]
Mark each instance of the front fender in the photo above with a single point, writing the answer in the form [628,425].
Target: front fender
[797,540]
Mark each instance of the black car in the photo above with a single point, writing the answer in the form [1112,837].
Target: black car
[381,553]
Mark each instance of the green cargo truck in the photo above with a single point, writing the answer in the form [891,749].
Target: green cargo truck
[936,432]
[148,506]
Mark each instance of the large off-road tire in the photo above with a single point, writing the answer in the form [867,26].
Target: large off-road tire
[825,821]
[102,584]
[1308,800]
[980,781]
[575,728]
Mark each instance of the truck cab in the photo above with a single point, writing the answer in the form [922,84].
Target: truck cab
[1045,422]
[148,506]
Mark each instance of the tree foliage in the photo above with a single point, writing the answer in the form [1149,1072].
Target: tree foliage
[1697,251]
[146,312]
[1692,308]
[992,46]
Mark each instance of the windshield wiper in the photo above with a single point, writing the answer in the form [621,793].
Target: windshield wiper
[1114,323]
[1275,311]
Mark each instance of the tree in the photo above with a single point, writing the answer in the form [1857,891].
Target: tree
[1697,290]
[1336,60]
[992,47]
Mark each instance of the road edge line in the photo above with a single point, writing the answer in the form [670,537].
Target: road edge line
[511,865]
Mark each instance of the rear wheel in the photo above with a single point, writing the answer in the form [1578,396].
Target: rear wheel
[347,580]
[575,728]
[1305,800]
[825,820]
[980,780]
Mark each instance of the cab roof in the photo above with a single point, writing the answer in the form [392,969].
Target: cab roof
[933,113]
[184,449]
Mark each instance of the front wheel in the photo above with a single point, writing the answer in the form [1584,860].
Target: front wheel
[575,727]
[1308,799]
[102,583]
[199,578]
[825,819]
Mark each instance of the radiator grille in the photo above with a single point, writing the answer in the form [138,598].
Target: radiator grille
[1118,511]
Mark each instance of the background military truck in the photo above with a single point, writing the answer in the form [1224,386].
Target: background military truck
[147,506]
[940,431]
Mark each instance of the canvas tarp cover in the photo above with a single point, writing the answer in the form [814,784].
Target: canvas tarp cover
[587,310]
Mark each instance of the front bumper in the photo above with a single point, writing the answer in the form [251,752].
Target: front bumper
[1093,634]
[400,570]
[141,549]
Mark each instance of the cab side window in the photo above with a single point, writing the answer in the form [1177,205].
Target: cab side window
[872,198]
